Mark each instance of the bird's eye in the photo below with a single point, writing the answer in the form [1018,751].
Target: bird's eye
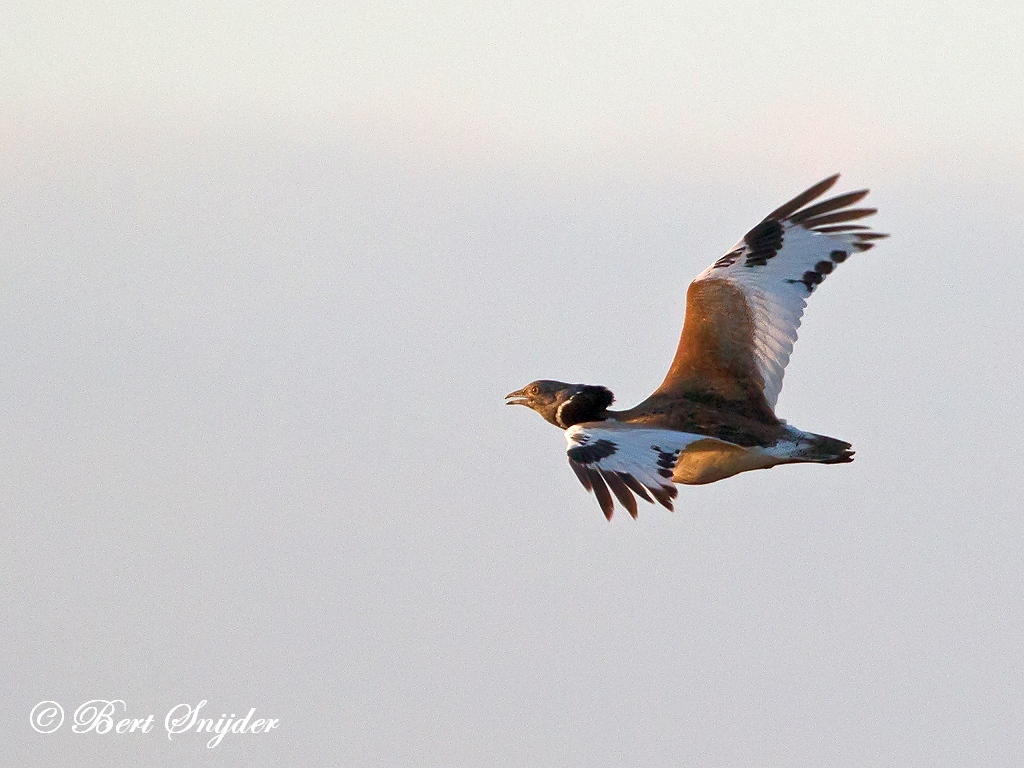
[534,390]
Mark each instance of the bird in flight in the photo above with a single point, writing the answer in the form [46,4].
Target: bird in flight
[714,414]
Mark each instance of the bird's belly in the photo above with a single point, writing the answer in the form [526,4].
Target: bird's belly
[708,460]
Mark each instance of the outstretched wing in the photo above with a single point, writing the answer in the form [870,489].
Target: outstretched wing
[626,459]
[742,312]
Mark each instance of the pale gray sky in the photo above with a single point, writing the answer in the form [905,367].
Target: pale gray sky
[269,271]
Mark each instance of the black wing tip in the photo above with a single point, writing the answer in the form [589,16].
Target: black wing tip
[835,217]
[823,217]
[581,473]
[664,494]
[621,491]
[604,498]
[603,483]
[637,487]
[845,457]
[805,197]
[827,206]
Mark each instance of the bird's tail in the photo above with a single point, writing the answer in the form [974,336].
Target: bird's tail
[824,450]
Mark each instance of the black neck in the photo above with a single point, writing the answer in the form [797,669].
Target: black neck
[589,404]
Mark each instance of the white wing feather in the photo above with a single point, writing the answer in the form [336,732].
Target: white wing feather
[626,459]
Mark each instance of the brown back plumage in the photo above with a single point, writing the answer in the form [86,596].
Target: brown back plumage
[713,360]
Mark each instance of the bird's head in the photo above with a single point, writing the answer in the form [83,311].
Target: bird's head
[563,404]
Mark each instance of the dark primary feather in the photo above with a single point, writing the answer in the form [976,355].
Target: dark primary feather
[834,218]
[832,204]
[803,198]
[601,491]
[582,473]
[636,487]
[621,491]
[842,228]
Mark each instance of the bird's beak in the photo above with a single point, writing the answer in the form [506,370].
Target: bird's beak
[520,395]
